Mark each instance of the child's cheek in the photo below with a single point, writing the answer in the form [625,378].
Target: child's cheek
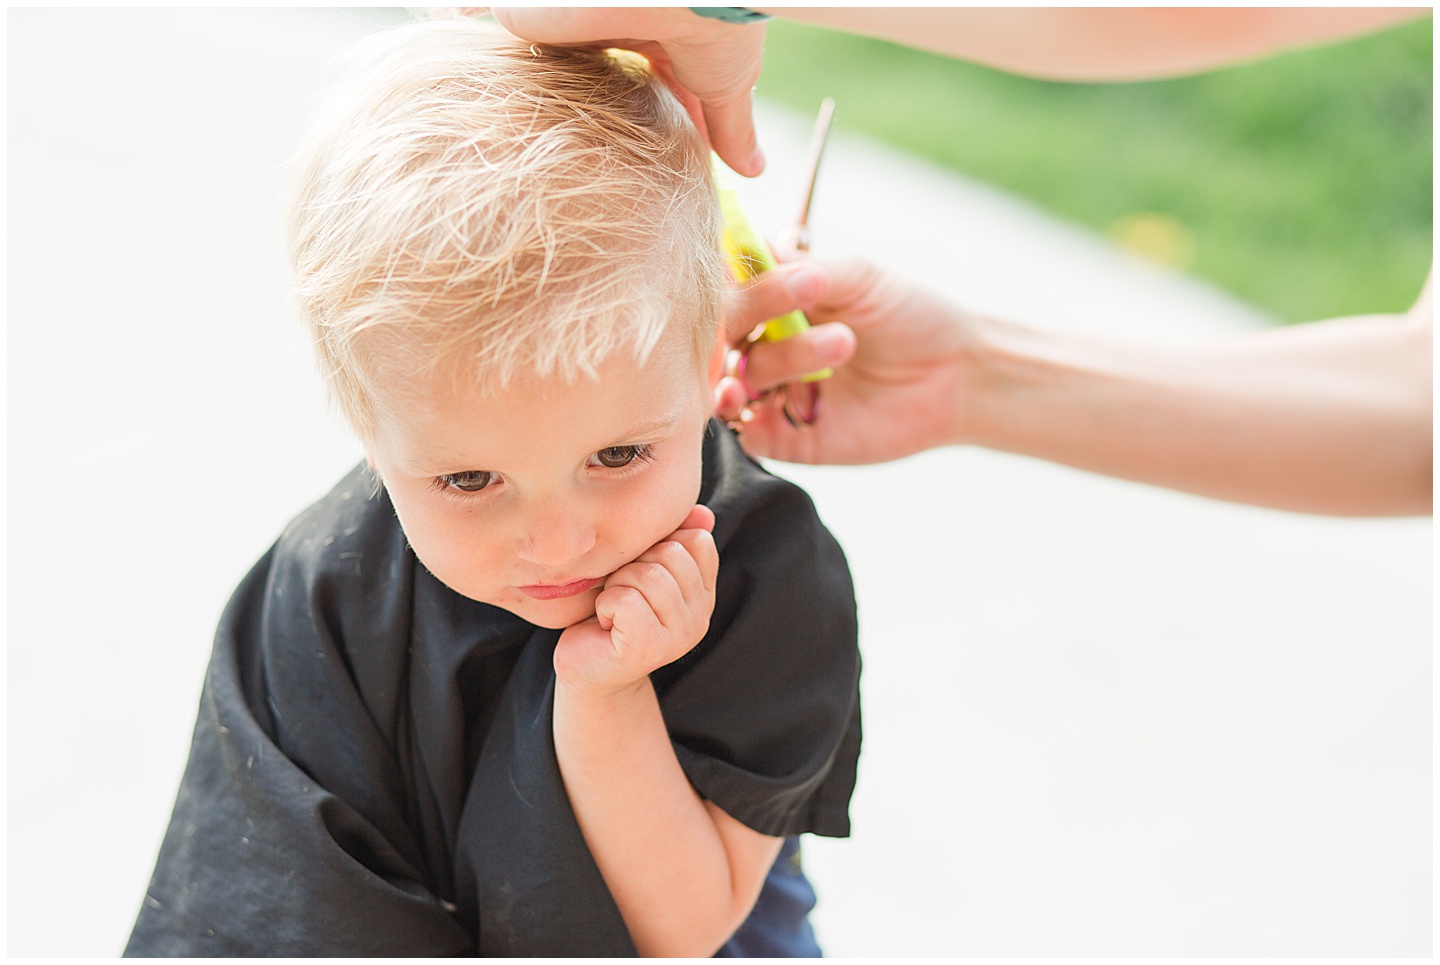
[656,510]
[438,533]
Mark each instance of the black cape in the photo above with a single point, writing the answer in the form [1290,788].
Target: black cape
[373,773]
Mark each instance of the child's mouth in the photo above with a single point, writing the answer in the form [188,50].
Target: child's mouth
[550,591]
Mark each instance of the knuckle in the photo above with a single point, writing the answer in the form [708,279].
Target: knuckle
[651,571]
[659,551]
[610,598]
[627,598]
[683,547]
[676,555]
[704,549]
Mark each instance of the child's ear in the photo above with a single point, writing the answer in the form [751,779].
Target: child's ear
[716,367]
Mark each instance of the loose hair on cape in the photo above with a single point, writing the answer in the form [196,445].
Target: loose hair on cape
[471,203]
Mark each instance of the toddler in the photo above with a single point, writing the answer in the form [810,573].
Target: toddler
[558,670]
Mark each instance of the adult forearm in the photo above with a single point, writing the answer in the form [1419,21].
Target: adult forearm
[1103,44]
[683,873]
[1332,417]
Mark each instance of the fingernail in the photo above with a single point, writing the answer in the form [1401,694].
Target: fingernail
[805,285]
[756,164]
[830,344]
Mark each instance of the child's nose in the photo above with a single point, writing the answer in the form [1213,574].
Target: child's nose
[555,539]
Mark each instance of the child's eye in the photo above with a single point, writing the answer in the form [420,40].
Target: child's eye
[467,482]
[618,457]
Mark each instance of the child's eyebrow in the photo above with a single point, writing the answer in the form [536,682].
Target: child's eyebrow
[636,433]
[651,427]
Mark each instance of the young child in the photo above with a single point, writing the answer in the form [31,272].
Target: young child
[568,677]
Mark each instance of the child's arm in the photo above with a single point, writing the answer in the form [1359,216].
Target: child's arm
[683,872]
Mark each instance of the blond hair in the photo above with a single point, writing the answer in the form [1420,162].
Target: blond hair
[470,200]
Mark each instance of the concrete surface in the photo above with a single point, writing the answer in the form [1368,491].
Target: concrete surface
[1101,719]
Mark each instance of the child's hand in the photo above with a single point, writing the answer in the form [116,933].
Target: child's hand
[651,612]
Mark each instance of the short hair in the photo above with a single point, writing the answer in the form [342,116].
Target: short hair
[468,199]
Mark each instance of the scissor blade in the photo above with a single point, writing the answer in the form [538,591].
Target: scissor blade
[817,150]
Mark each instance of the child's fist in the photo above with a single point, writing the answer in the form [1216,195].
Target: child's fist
[651,612]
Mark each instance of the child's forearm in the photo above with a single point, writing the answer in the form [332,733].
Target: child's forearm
[684,873]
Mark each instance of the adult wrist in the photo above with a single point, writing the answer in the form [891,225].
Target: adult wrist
[998,362]
[739,15]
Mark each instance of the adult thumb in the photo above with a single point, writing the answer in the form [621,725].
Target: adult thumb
[731,130]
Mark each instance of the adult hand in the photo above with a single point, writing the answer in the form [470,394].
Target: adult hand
[710,65]
[910,362]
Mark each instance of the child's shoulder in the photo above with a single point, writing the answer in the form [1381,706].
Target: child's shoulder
[348,524]
[341,571]
[761,516]
[346,552]
[764,712]
[739,489]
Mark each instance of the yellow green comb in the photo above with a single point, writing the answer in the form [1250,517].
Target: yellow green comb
[750,257]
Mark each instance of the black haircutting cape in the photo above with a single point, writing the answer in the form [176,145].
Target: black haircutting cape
[373,771]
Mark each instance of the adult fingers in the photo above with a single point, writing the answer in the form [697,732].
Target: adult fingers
[767,434]
[769,365]
[730,400]
[717,62]
[660,63]
[730,127]
[779,290]
[600,26]
[772,364]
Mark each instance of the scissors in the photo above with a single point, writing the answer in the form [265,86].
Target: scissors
[749,257]
[796,238]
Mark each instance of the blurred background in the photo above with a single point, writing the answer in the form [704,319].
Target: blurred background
[1101,719]
[1300,183]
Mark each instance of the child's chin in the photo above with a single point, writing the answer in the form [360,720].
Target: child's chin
[557,614]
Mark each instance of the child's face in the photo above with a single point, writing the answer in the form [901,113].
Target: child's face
[529,498]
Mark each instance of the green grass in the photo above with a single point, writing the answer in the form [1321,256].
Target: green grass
[1304,180]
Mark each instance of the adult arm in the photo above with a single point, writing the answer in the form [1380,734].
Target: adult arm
[1331,417]
[713,66]
[1104,44]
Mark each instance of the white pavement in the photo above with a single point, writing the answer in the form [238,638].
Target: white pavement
[1101,719]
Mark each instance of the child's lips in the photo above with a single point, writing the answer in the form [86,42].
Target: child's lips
[556,591]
